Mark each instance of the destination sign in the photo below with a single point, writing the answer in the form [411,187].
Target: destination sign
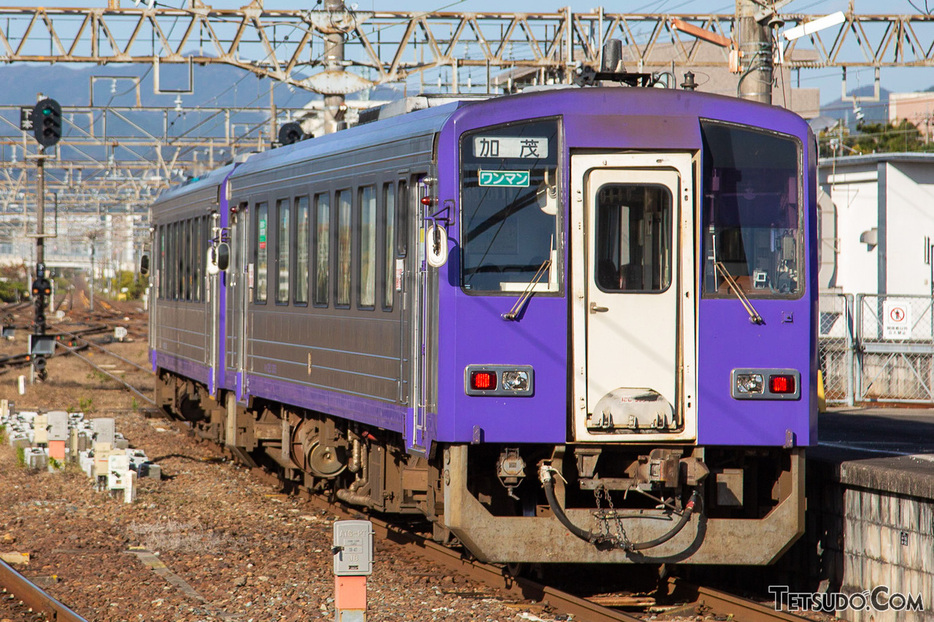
[510,147]
[511,179]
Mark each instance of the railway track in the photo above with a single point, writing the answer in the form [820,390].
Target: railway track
[20,360]
[686,600]
[690,600]
[38,602]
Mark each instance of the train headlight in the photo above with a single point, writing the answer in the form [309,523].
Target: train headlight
[766,384]
[749,383]
[515,380]
[499,380]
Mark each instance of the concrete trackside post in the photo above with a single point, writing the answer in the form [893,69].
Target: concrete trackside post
[353,562]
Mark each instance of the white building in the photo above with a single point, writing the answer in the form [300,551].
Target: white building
[110,242]
[877,224]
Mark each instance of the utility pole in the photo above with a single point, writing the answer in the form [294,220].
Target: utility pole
[755,48]
[334,106]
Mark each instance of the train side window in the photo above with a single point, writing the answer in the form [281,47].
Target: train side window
[322,247]
[180,280]
[170,262]
[188,237]
[283,212]
[177,273]
[202,250]
[402,229]
[389,240]
[196,259]
[179,277]
[162,275]
[202,259]
[178,256]
[301,250]
[261,253]
[344,237]
[367,277]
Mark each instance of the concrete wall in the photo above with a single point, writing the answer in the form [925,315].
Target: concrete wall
[877,529]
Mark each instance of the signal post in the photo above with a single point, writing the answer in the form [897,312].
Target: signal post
[46,126]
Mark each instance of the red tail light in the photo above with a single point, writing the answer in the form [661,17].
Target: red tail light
[783,383]
[483,380]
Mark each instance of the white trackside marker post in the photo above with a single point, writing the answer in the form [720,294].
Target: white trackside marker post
[353,562]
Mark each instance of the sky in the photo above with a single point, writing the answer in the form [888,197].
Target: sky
[828,80]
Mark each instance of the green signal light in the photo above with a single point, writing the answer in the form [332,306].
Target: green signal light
[46,111]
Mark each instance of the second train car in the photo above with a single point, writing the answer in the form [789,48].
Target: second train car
[571,325]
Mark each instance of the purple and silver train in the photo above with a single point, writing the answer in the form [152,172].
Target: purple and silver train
[571,325]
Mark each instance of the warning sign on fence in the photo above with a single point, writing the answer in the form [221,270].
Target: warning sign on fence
[896,319]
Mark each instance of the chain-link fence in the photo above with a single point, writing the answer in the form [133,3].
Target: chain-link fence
[835,350]
[876,348]
[895,348]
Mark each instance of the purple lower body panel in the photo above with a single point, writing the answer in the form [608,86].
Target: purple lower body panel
[727,340]
[362,409]
[183,367]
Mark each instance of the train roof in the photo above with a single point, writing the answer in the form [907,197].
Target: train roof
[405,126]
[209,180]
[400,124]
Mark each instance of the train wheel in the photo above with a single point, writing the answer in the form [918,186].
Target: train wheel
[326,462]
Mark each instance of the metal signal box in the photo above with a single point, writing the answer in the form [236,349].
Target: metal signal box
[353,547]
[104,430]
[58,425]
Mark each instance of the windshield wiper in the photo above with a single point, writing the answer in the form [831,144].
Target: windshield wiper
[754,316]
[516,308]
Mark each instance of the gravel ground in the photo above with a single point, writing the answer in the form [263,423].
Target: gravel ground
[233,547]
[211,541]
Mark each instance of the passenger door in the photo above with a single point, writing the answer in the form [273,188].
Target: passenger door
[423,295]
[237,295]
[633,309]
[212,298]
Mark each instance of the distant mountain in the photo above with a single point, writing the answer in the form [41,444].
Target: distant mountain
[216,86]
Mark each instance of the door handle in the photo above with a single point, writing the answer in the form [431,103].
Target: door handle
[595,309]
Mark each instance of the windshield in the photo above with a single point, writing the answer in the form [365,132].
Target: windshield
[752,212]
[509,207]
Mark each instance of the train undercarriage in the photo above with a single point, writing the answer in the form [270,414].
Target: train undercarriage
[589,503]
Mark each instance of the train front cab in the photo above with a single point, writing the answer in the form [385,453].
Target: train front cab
[688,308]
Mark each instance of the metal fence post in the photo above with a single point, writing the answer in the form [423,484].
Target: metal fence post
[852,316]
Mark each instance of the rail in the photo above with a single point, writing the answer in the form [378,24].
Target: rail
[709,601]
[97,368]
[31,595]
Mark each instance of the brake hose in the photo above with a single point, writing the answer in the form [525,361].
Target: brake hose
[546,475]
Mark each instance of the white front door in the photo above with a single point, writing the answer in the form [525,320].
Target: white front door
[632,256]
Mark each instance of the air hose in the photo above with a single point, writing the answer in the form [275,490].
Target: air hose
[546,475]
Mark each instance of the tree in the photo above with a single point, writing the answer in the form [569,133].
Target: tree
[874,138]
